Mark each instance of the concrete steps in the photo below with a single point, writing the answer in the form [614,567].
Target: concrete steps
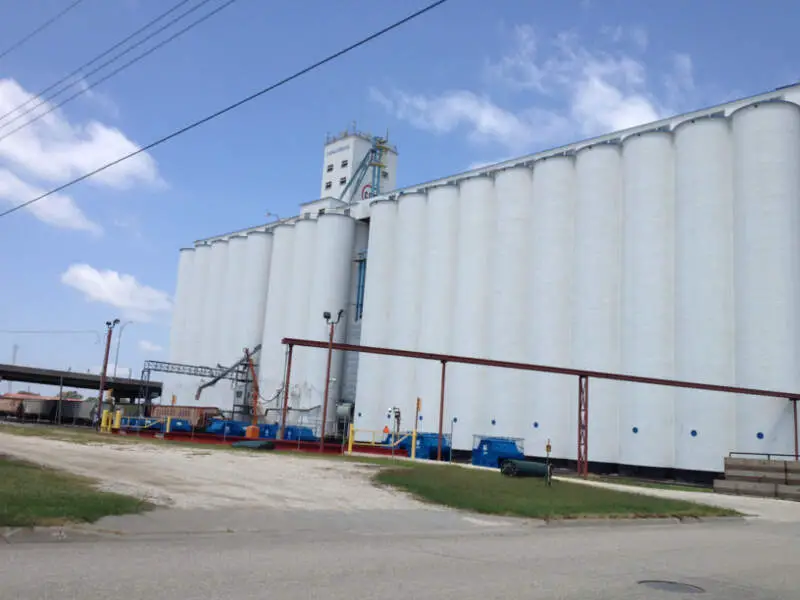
[762,478]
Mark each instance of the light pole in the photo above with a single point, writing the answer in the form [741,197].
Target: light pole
[14,350]
[110,327]
[332,324]
[119,340]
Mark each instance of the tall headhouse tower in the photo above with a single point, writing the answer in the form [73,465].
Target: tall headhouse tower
[347,167]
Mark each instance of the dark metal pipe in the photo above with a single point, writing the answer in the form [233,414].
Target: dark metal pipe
[327,389]
[796,446]
[441,414]
[286,392]
[468,360]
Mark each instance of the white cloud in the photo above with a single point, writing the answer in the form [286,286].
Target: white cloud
[483,120]
[149,347]
[53,150]
[569,91]
[136,301]
[58,209]
[636,35]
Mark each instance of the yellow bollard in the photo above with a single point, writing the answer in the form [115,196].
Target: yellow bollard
[350,435]
[118,419]
[104,420]
[414,443]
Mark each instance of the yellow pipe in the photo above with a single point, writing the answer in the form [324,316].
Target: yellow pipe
[169,424]
[117,419]
[350,435]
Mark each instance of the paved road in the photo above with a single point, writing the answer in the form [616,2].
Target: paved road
[398,554]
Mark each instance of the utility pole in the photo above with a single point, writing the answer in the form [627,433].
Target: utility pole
[110,327]
[14,349]
[332,324]
[116,355]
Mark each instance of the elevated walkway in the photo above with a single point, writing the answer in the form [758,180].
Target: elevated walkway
[764,478]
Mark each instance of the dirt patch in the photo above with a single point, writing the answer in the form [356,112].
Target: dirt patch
[188,478]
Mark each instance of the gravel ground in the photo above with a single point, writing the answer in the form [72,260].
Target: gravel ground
[198,478]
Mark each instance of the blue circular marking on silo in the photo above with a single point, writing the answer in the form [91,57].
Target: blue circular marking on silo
[536,424]
[760,435]
[359,414]
[694,432]
[635,430]
[494,422]
[420,417]
[455,419]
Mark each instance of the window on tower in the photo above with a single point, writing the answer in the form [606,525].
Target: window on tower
[343,180]
[329,168]
[385,174]
[328,185]
[344,163]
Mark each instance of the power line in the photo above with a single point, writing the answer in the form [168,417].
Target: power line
[39,29]
[230,107]
[112,60]
[96,58]
[115,72]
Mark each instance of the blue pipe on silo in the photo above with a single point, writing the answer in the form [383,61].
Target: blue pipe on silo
[362,277]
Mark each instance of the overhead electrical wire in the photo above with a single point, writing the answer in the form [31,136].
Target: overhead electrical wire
[39,29]
[131,62]
[113,73]
[230,107]
[96,58]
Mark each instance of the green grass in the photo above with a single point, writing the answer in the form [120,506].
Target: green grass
[661,485]
[31,495]
[82,435]
[490,493]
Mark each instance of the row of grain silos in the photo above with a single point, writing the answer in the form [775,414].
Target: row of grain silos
[670,253]
[311,275]
[239,291]
[220,300]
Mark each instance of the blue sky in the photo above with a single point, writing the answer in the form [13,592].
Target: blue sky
[472,82]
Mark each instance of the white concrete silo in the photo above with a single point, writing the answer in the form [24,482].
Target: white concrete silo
[553,398]
[597,288]
[330,289]
[468,393]
[297,324]
[253,292]
[372,398]
[508,298]
[192,353]
[229,341]
[648,298]
[766,140]
[704,319]
[408,278]
[438,295]
[272,363]
[179,331]
[219,395]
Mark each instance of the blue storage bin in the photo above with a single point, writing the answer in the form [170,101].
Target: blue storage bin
[268,431]
[300,434]
[226,428]
[491,451]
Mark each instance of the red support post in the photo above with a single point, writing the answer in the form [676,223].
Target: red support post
[286,392]
[441,414]
[327,390]
[583,426]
